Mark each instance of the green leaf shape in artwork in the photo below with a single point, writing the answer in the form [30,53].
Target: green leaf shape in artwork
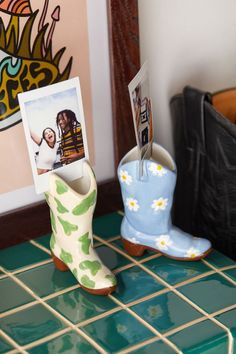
[60,207]
[52,241]
[61,187]
[67,226]
[53,221]
[66,257]
[87,282]
[84,206]
[93,266]
[112,279]
[75,272]
[84,239]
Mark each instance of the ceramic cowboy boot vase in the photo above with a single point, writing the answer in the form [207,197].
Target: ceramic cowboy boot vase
[147,202]
[71,210]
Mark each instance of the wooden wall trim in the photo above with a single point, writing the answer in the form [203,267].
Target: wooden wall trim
[123,32]
[33,221]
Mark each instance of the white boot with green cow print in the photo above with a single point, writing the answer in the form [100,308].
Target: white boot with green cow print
[71,209]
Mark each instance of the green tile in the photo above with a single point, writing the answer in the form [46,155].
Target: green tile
[12,295]
[134,283]
[147,253]
[4,346]
[117,331]
[69,343]
[166,312]
[107,226]
[77,305]
[211,293]
[231,273]
[157,347]
[174,272]
[229,320]
[46,279]
[22,255]
[44,241]
[111,258]
[219,260]
[203,338]
[31,324]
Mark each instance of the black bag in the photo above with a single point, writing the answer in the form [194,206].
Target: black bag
[205,151]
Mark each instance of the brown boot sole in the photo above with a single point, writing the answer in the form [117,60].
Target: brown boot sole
[138,250]
[63,268]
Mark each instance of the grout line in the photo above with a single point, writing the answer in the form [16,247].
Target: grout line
[56,314]
[113,238]
[12,342]
[32,266]
[191,303]
[120,212]
[194,279]
[61,292]
[120,269]
[14,351]
[38,245]
[147,325]
[149,258]
[148,297]
[18,308]
[219,271]
[98,317]
[46,338]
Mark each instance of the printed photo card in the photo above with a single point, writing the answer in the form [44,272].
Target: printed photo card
[54,126]
[142,112]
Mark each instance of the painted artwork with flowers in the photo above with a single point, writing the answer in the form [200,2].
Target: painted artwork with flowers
[41,43]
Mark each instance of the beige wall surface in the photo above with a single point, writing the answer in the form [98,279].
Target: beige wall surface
[71,32]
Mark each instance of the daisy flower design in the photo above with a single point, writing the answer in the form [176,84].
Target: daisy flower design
[163,242]
[157,169]
[192,253]
[132,204]
[159,204]
[125,177]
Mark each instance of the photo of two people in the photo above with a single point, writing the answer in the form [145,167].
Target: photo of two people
[54,126]
[60,147]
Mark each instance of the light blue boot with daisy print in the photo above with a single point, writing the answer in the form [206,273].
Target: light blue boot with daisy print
[147,203]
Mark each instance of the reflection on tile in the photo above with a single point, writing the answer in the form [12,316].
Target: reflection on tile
[175,271]
[211,293]
[46,279]
[77,305]
[22,255]
[156,347]
[202,338]
[111,258]
[229,319]
[117,331]
[69,343]
[131,285]
[219,260]
[147,253]
[4,346]
[107,226]
[44,241]
[166,312]
[12,295]
[231,273]
[31,324]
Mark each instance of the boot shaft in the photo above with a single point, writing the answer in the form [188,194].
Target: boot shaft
[148,200]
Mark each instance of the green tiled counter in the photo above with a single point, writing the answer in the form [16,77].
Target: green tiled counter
[160,306]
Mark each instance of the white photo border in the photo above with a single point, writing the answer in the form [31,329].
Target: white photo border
[68,172]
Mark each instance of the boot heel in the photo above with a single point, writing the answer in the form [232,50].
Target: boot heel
[59,264]
[132,249]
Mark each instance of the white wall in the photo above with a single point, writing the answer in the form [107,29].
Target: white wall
[101,106]
[186,42]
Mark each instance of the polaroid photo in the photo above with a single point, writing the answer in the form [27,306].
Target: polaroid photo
[142,111]
[55,131]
